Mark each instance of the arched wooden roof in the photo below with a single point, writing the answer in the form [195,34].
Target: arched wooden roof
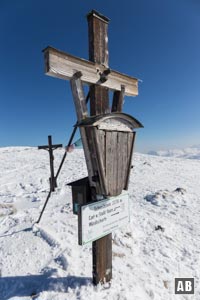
[130,121]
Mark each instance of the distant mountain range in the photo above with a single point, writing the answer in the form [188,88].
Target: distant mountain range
[192,152]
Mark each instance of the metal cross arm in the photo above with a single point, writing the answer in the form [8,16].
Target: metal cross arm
[63,65]
[46,147]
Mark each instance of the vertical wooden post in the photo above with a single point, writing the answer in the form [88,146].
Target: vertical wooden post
[99,104]
[118,99]
[98,53]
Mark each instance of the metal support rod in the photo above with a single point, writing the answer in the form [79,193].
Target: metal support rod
[46,201]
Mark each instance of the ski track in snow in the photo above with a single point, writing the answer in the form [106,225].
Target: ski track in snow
[161,242]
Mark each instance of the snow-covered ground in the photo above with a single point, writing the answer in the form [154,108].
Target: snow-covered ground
[161,242]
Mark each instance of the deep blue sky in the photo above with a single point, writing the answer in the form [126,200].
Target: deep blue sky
[155,41]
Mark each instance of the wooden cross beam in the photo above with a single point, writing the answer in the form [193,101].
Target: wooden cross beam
[63,65]
[50,147]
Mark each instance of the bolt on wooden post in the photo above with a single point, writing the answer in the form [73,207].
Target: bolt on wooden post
[107,137]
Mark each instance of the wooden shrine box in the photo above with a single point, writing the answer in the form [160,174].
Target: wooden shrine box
[80,193]
[110,139]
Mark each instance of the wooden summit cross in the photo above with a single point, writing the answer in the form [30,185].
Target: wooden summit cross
[107,137]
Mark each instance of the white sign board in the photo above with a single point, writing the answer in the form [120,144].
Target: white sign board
[100,218]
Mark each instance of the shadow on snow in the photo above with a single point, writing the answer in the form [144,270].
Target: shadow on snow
[30,285]
[15,232]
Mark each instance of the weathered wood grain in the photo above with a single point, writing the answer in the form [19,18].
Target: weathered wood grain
[111,162]
[109,170]
[82,113]
[100,164]
[99,100]
[131,140]
[79,97]
[99,104]
[102,144]
[98,38]
[96,160]
[63,65]
[118,100]
[102,259]
[119,181]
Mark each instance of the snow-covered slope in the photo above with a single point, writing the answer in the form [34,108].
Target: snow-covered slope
[161,242]
[190,152]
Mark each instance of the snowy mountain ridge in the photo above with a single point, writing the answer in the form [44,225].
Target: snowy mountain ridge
[188,153]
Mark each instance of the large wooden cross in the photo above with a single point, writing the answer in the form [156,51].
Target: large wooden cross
[100,78]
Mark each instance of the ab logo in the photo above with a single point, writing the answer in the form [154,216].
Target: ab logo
[184,285]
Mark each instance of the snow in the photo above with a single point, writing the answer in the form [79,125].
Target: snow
[161,242]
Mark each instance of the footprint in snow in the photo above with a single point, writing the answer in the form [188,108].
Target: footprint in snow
[153,199]
[180,190]
[7,209]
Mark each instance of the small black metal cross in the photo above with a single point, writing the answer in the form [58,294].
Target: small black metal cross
[50,148]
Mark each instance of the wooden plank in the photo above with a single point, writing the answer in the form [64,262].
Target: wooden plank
[131,140]
[118,100]
[113,179]
[79,97]
[119,166]
[100,162]
[99,97]
[100,189]
[114,163]
[96,141]
[111,162]
[98,38]
[102,144]
[124,157]
[117,104]
[63,65]
[119,180]
[81,110]
[108,154]
[99,100]
[102,268]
